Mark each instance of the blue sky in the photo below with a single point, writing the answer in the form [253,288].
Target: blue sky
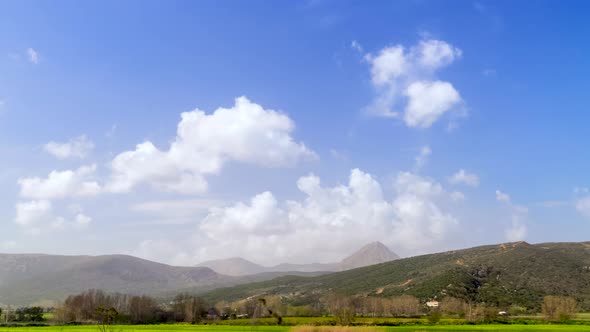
[501,97]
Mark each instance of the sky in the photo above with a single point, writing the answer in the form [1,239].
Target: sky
[183,131]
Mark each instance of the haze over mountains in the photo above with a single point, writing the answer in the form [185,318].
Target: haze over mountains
[29,278]
[370,254]
[500,275]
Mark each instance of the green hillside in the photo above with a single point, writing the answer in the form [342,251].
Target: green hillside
[499,275]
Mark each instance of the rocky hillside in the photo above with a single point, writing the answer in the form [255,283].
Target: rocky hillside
[511,273]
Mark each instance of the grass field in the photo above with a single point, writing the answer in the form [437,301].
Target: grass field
[232,328]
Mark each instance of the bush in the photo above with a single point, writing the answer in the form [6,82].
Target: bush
[559,308]
[434,316]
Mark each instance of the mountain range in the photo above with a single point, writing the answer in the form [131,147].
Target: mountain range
[370,254]
[31,278]
[499,275]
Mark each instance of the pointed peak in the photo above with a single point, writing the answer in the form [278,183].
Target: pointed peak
[370,254]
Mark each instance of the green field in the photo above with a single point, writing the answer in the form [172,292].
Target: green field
[229,328]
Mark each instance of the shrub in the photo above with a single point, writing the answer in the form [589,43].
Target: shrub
[559,308]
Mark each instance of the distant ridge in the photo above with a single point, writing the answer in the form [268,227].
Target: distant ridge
[29,278]
[370,254]
[235,266]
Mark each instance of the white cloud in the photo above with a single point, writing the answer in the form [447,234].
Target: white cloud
[60,184]
[583,206]
[502,197]
[35,215]
[388,66]
[351,215]
[33,212]
[78,147]
[204,143]
[434,54]
[261,217]
[466,178]
[406,79]
[33,56]
[427,101]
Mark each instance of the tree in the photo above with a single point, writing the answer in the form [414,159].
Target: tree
[34,314]
[188,308]
[142,309]
[342,308]
[454,306]
[482,313]
[264,309]
[106,317]
[405,305]
[434,316]
[560,308]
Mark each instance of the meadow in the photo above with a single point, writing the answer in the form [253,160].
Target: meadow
[237,328]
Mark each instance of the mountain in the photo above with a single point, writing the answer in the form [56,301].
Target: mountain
[234,266]
[29,278]
[504,274]
[372,253]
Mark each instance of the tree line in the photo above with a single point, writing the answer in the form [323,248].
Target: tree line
[23,314]
[97,306]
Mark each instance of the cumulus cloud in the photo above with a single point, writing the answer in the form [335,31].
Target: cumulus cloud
[204,143]
[466,178]
[33,212]
[415,221]
[33,56]
[35,215]
[60,184]
[261,217]
[405,81]
[78,147]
